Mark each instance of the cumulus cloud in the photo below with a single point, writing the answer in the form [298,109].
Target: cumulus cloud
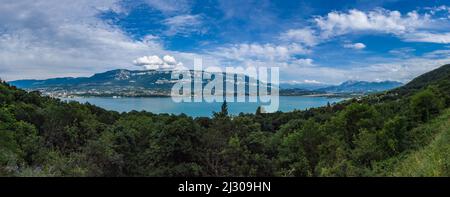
[149,62]
[410,27]
[354,45]
[304,35]
[169,60]
[303,62]
[386,21]
[154,62]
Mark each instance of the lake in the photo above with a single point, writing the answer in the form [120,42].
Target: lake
[166,105]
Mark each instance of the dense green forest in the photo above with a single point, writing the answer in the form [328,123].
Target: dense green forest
[402,132]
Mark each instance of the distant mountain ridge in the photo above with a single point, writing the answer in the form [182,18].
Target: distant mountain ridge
[361,87]
[122,82]
[119,77]
[438,77]
[115,82]
[304,86]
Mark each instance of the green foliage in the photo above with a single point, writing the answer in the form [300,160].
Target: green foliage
[434,158]
[357,117]
[426,104]
[299,150]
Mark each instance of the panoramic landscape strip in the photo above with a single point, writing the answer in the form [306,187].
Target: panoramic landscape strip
[224,97]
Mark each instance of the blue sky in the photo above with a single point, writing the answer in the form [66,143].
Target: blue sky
[311,41]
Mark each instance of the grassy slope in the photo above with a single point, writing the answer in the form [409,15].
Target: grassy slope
[434,158]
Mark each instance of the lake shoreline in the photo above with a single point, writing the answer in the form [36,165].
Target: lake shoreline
[159,105]
[327,95]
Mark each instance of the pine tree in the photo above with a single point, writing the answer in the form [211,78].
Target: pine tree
[224,108]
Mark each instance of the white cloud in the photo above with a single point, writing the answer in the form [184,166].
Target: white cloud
[57,38]
[149,62]
[169,60]
[410,27]
[305,81]
[154,62]
[354,45]
[442,38]
[400,70]
[385,21]
[312,81]
[184,24]
[318,73]
[395,70]
[262,52]
[170,6]
[305,36]
[405,52]
[303,62]
[445,53]
[439,9]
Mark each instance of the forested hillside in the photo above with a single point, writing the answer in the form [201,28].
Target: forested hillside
[379,135]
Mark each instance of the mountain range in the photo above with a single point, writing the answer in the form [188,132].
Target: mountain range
[115,82]
[123,82]
[304,85]
[361,87]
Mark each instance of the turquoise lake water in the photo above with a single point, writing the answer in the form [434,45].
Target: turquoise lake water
[166,105]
